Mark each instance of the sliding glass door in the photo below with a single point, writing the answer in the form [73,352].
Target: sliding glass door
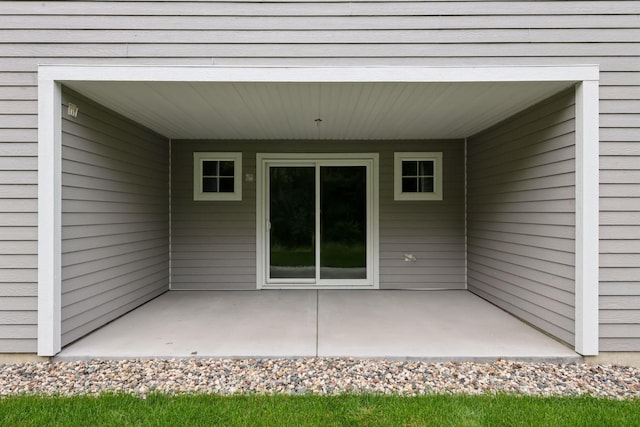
[318,223]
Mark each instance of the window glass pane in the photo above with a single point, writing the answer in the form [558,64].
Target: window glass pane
[210,168]
[409,185]
[409,168]
[343,222]
[426,185]
[425,167]
[292,214]
[209,185]
[226,168]
[226,185]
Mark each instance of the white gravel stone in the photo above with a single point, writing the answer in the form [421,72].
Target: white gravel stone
[317,375]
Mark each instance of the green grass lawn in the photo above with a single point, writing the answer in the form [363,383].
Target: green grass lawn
[333,255]
[310,410]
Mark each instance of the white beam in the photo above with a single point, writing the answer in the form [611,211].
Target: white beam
[319,74]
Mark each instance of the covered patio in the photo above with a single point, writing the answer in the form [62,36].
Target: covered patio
[425,325]
[514,228]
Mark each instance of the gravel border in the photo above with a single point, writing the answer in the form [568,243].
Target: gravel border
[317,375]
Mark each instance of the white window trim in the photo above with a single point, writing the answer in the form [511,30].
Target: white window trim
[49,164]
[399,157]
[199,157]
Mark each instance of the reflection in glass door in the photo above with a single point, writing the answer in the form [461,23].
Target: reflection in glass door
[292,219]
[318,223]
[343,222]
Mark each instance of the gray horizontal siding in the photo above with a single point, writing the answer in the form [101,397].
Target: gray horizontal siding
[432,231]
[115,234]
[515,259]
[214,243]
[311,50]
[279,8]
[318,35]
[338,33]
[18,214]
[620,213]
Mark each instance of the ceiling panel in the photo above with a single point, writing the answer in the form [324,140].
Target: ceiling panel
[317,110]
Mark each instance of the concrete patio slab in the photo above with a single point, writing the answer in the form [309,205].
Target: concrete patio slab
[203,324]
[438,325]
[428,325]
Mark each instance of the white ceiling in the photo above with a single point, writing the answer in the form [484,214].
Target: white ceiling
[289,110]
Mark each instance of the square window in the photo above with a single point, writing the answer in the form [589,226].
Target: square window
[418,176]
[217,176]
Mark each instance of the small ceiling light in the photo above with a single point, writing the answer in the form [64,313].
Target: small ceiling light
[318,121]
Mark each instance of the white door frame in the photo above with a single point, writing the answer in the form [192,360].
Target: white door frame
[50,78]
[266,160]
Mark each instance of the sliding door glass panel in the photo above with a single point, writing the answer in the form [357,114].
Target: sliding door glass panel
[343,222]
[292,217]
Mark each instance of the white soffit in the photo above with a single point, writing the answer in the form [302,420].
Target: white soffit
[279,110]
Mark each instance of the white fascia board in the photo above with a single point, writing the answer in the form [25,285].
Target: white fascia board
[142,73]
[587,218]
[49,217]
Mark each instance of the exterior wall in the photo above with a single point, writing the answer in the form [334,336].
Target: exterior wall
[387,33]
[214,243]
[521,215]
[115,217]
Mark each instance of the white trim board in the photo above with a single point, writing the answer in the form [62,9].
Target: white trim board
[141,73]
[49,176]
[587,218]
[49,217]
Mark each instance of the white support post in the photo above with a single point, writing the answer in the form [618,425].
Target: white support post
[587,218]
[49,216]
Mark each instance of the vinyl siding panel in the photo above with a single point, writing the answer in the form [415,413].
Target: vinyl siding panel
[304,7]
[306,33]
[115,234]
[214,243]
[620,214]
[528,271]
